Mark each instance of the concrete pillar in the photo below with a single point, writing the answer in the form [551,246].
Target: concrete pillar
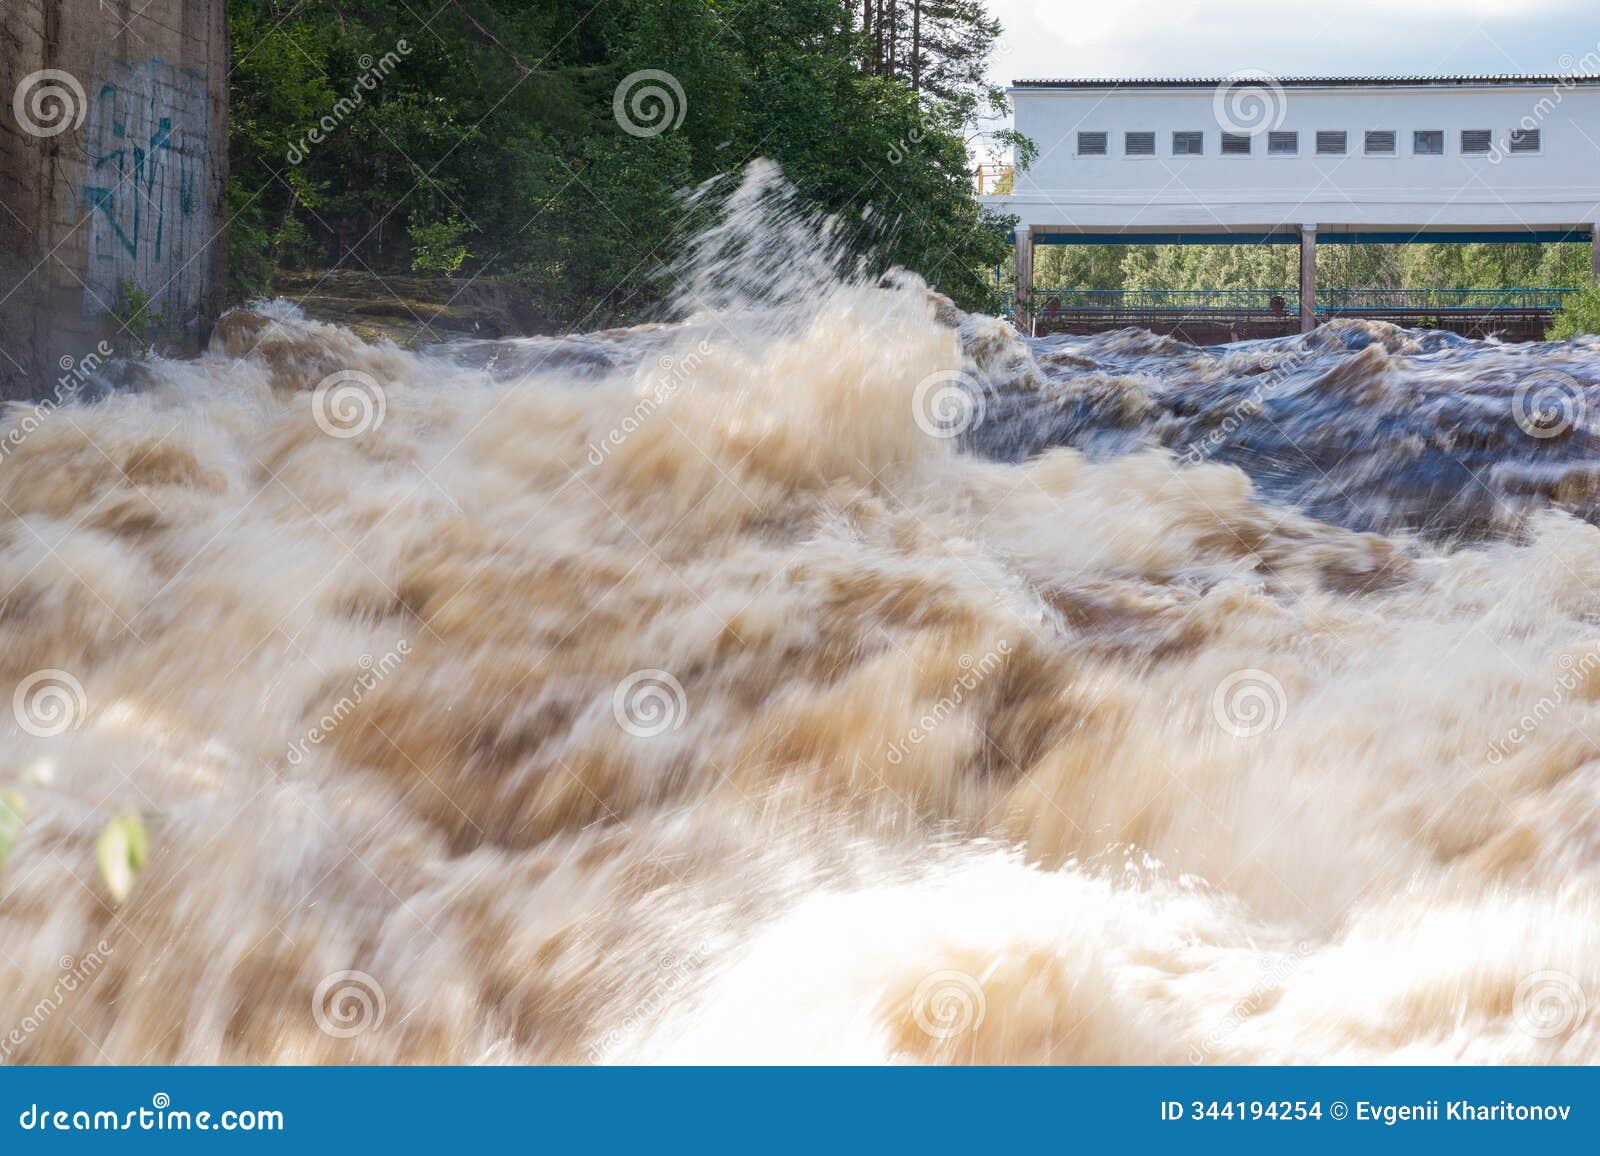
[113,170]
[1308,278]
[1024,306]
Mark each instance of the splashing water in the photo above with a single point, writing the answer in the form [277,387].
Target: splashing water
[830,677]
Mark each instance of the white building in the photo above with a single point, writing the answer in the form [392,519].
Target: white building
[1251,158]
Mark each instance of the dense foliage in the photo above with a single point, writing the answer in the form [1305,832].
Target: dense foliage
[1580,314]
[483,139]
[1423,266]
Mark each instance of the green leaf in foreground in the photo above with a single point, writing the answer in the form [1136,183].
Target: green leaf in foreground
[121,852]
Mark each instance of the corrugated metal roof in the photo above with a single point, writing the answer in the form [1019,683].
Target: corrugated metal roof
[1258,78]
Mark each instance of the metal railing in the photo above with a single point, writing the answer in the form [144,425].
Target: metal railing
[1286,302]
[1434,300]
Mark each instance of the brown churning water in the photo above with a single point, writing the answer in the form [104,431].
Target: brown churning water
[824,676]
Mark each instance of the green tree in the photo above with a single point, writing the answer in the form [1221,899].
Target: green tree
[1580,314]
[494,142]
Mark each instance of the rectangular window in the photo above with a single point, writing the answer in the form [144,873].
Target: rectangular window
[1235,144]
[1139,144]
[1331,144]
[1476,141]
[1091,144]
[1428,143]
[1380,143]
[1524,140]
[1283,144]
[1188,144]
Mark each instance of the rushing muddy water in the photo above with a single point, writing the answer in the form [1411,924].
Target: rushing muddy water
[827,676]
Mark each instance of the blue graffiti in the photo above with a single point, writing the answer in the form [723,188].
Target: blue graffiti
[148,187]
[147,162]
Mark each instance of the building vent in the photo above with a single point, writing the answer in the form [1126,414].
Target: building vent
[1091,144]
[1283,144]
[1331,144]
[1428,143]
[1524,140]
[1235,144]
[1188,144]
[1476,141]
[1139,144]
[1380,143]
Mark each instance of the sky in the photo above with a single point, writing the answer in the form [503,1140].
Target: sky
[1050,38]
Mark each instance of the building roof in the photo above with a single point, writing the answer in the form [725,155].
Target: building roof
[1264,79]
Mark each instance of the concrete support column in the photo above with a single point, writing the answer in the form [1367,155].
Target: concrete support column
[113,178]
[1308,278]
[1024,306]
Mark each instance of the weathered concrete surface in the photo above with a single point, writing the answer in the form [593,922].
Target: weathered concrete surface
[113,170]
